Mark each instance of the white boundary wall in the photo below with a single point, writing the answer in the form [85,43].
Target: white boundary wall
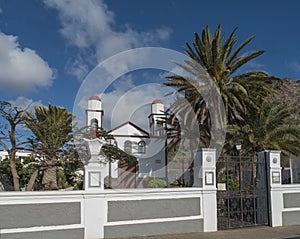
[95,215]
[284,200]
[35,214]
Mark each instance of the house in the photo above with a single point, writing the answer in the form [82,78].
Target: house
[147,147]
[21,154]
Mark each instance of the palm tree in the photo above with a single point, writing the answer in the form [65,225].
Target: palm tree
[212,56]
[272,127]
[52,127]
[186,129]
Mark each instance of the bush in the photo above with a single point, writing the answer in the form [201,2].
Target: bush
[231,182]
[113,182]
[79,184]
[155,183]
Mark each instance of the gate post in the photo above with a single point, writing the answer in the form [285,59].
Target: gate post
[205,177]
[273,172]
[95,167]
[95,209]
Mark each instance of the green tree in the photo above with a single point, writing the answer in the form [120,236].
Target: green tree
[272,127]
[52,128]
[10,138]
[70,168]
[25,168]
[213,56]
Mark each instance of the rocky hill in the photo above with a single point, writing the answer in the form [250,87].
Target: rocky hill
[287,92]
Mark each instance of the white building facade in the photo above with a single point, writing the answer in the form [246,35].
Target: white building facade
[147,147]
[19,154]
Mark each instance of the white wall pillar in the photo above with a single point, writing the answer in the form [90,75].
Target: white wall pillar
[95,206]
[272,160]
[94,174]
[205,177]
[205,168]
[95,168]
[95,215]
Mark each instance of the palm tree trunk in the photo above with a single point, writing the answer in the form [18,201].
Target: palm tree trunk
[32,180]
[50,179]
[191,167]
[218,132]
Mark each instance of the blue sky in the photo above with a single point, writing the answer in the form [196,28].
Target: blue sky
[48,47]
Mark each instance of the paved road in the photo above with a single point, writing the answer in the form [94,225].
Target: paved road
[291,232]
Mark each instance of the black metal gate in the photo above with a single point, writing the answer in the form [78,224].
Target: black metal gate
[242,197]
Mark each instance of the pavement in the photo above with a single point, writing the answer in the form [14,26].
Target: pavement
[290,232]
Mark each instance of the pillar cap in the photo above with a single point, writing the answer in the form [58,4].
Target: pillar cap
[157,101]
[95,97]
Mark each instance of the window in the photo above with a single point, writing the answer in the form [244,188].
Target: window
[141,147]
[159,129]
[128,147]
[94,124]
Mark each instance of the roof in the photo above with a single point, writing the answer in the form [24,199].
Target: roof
[157,101]
[130,123]
[95,97]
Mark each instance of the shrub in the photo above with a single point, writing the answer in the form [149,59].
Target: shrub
[155,183]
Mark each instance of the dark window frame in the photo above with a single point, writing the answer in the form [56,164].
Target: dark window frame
[141,147]
[128,146]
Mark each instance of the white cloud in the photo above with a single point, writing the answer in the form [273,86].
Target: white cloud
[91,27]
[22,70]
[77,67]
[133,104]
[25,103]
